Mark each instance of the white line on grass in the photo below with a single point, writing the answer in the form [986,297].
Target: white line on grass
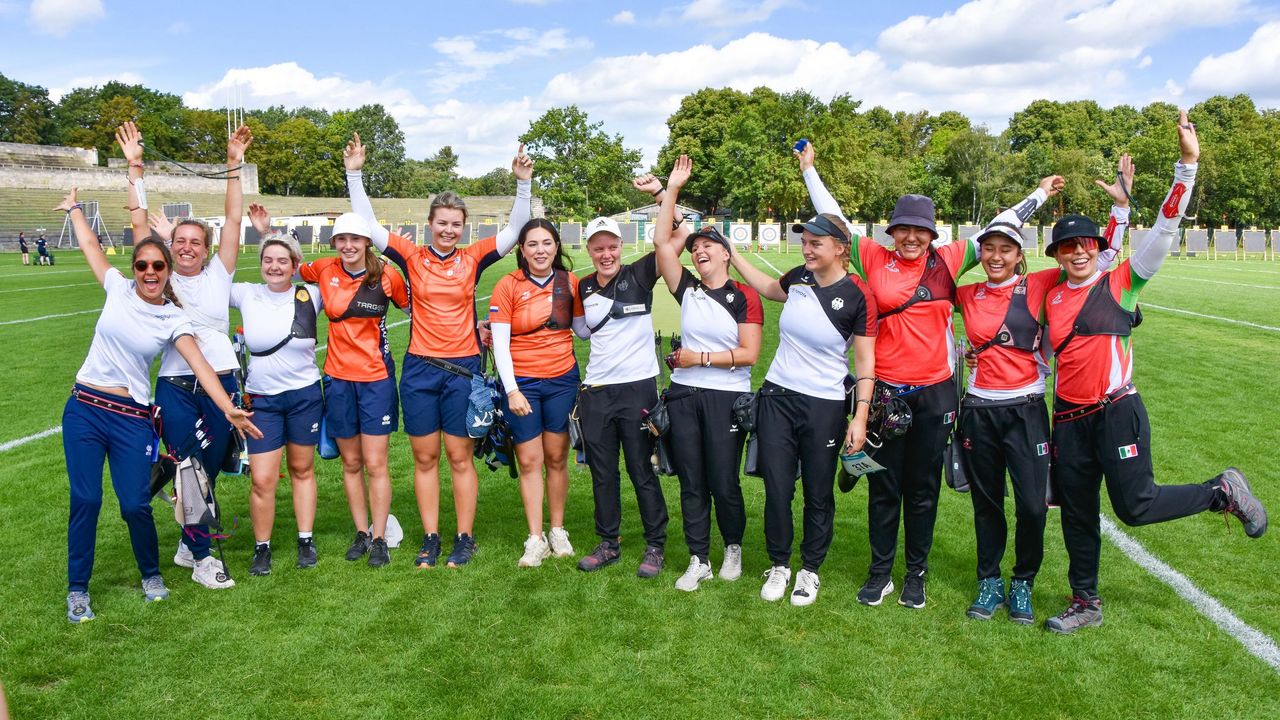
[766,262]
[49,317]
[1258,644]
[47,287]
[1224,282]
[84,270]
[6,447]
[1210,317]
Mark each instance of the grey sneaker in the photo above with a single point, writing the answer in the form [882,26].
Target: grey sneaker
[1242,503]
[1082,612]
[78,609]
[606,553]
[153,589]
[651,563]
[875,590]
[731,568]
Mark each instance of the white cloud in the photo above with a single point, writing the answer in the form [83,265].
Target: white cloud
[731,13]
[290,85]
[466,62]
[59,17]
[625,17]
[1254,68]
[86,81]
[1145,62]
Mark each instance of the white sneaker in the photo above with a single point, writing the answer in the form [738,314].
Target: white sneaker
[731,568]
[698,571]
[210,573]
[184,558]
[775,583]
[535,551]
[560,546]
[806,590]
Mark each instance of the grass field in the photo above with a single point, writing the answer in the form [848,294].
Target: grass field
[493,641]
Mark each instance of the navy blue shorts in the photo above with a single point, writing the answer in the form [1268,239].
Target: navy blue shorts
[360,408]
[551,399]
[292,416]
[435,399]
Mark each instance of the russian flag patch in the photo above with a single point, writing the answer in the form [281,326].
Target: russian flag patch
[1042,449]
[1128,451]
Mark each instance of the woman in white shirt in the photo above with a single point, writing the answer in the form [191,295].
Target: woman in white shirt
[283,387]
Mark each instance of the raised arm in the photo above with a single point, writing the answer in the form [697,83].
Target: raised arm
[1119,191]
[521,210]
[233,205]
[767,286]
[86,238]
[1149,253]
[822,199]
[130,142]
[353,160]
[668,251]
[190,351]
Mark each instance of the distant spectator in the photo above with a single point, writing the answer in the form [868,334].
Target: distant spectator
[42,246]
[22,247]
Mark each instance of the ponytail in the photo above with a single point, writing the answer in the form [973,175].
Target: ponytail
[372,267]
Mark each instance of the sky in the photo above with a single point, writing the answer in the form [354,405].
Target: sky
[474,74]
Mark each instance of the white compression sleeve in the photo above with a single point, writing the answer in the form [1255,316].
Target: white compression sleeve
[581,328]
[1016,216]
[1115,238]
[361,206]
[823,200]
[502,355]
[520,214]
[140,188]
[1149,253]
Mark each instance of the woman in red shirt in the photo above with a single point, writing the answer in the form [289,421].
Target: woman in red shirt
[357,289]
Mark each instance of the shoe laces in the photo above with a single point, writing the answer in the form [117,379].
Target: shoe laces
[153,583]
[1078,605]
[776,574]
[989,590]
[652,555]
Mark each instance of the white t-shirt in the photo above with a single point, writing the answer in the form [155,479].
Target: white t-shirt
[268,319]
[205,297]
[129,334]
[709,321]
[622,350]
[816,330]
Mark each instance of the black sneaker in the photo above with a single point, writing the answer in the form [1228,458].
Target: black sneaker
[261,564]
[306,553]
[875,590]
[378,553]
[359,546]
[606,553]
[912,590]
[429,555]
[464,547]
[1082,612]
[1242,503]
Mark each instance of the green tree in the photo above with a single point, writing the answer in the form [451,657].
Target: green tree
[385,171]
[432,175]
[697,129]
[25,112]
[581,170]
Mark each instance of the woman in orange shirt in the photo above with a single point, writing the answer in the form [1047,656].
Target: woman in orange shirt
[532,317]
[360,377]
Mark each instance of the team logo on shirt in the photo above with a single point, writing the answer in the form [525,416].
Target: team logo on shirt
[524,295]
[302,295]
[981,294]
[386,419]
[1056,299]
[892,266]
[450,273]
[837,303]
[728,298]
[333,281]
[623,285]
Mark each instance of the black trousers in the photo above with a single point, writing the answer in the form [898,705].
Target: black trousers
[909,487]
[1012,436]
[811,430]
[706,450]
[610,416]
[1114,443]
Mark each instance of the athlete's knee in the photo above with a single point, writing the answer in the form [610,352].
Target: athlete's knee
[134,511]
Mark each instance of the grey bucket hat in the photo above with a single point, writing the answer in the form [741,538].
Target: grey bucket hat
[914,210]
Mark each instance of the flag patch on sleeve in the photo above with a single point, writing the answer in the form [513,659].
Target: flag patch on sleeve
[1128,451]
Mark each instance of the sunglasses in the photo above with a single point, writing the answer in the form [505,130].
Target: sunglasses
[156,265]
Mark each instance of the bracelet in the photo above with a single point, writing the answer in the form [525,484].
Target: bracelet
[867,377]
[863,400]
[77,206]
[706,359]
[233,177]
[733,364]
[137,164]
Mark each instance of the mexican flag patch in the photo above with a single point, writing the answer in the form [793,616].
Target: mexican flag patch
[1128,451]
[1042,449]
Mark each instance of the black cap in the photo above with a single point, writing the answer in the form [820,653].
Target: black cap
[1071,227]
[820,225]
[707,231]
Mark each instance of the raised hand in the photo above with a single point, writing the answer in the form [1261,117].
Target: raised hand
[1124,174]
[805,156]
[260,218]
[238,143]
[522,165]
[680,172]
[647,183]
[1188,141]
[68,202]
[130,141]
[353,154]
[160,226]
[1052,185]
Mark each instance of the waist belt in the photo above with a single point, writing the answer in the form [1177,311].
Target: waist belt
[1084,410]
[107,403]
[191,386]
[445,365]
[973,401]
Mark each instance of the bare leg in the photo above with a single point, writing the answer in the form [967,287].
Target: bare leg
[555,451]
[374,448]
[466,486]
[426,479]
[353,480]
[264,474]
[529,455]
[302,473]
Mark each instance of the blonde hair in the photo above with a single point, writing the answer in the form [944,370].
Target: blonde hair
[847,245]
[447,200]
